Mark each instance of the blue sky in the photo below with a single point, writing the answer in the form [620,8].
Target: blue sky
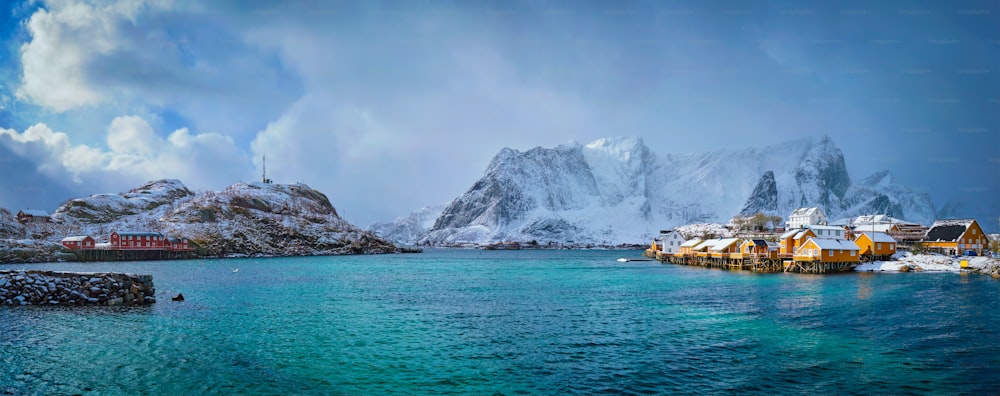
[390,106]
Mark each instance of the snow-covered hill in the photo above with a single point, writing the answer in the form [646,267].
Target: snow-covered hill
[243,219]
[616,190]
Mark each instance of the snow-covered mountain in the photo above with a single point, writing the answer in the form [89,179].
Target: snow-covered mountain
[618,191]
[243,219]
[411,228]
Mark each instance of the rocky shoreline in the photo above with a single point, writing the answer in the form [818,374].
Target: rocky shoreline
[75,288]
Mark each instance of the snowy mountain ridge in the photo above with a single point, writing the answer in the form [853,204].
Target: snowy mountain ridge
[616,190]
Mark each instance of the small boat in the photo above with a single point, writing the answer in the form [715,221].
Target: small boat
[623,260]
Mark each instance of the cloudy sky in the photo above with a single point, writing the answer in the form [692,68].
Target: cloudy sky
[390,106]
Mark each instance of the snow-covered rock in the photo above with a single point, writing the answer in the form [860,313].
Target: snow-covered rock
[243,219]
[908,262]
[616,191]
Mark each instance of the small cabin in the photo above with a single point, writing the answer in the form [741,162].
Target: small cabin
[32,216]
[702,249]
[688,246]
[724,247]
[179,244]
[759,247]
[878,245]
[828,251]
[81,242]
[957,236]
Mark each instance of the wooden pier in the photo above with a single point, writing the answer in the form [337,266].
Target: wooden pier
[131,255]
[771,262]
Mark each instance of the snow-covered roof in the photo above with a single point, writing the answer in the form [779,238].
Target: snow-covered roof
[75,238]
[723,244]
[877,219]
[879,237]
[827,244]
[144,233]
[707,244]
[35,212]
[790,233]
[802,234]
[691,242]
[823,227]
[947,222]
[876,227]
[807,211]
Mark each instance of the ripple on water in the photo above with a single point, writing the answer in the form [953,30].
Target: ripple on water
[517,323]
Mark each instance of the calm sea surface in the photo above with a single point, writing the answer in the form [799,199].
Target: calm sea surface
[528,322]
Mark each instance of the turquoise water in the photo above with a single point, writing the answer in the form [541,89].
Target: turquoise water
[509,322]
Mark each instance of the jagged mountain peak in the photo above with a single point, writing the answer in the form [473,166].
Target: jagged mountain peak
[764,198]
[619,145]
[616,190]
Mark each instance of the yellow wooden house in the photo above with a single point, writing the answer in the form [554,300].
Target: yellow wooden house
[877,245]
[958,236]
[758,248]
[687,248]
[724,247]
[791,240]
[828,251]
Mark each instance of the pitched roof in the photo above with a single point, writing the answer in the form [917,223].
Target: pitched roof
[145,233]
[802,234]
[823,227]
[691,242]
[759,242]
[948,230]
[827,244]
[790,233]
[879,237]
[35,212]
[722,244]
[707,244]
[806,211]
[876,227]
[77,238]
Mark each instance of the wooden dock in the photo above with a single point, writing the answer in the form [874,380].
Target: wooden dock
[771,262]
[132,254]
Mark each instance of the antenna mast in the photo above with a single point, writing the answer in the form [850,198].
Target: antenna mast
[263,170]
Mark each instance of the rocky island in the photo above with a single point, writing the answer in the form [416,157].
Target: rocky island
[244,219]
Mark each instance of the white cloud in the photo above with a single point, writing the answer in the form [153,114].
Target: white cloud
[135,154]
[65,38]
[133,135]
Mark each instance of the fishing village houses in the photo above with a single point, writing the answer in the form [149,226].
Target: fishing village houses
[129,246]
[811,245]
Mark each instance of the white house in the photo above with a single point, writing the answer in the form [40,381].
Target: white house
[802,217]
[670,241]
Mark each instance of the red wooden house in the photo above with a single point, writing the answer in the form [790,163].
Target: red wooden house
[138,241]
[78,242]
[179,244]
[32,216]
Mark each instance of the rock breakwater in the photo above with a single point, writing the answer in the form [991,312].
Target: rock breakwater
[75,288]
